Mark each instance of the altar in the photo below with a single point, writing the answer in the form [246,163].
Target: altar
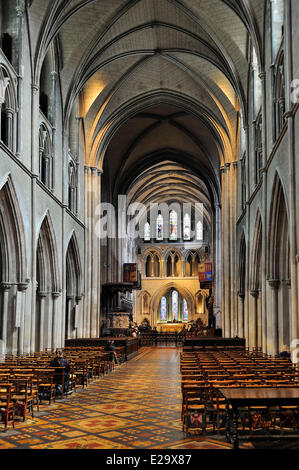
[170,327]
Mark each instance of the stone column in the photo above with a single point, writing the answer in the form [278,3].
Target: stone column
[34,130]
[218,258]
[78,319]
[9,115]
[253,334]
[5,288]
[42,298]
[94,254]
[22,287]
[273,345]
[241,316]
[87,255]
[290,75]
[54,77]
[69,329]
[56,340]
[233,244]
[20,10]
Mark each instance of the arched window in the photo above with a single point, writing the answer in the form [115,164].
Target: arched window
[243,181]
[175,305]
[187,227]
[163,309]
[277,25]
[189,266]
[257,84]
[147,232]
[279,99]
[7,108]
[258,146]
[45,157]
[148,266]
[159,231]
[185,311]
[72,187]
[173,222]
[199,231]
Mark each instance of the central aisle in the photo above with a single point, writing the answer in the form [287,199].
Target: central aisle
[136,406]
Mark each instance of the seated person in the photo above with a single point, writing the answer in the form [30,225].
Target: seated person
[61,361]
[110,346]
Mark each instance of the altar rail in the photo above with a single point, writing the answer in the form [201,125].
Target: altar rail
[159,339]
[130,344]
[155,338]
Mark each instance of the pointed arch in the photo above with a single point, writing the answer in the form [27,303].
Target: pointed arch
[73,267]
[12,235]
[278,267]
[256,254]
[47,256]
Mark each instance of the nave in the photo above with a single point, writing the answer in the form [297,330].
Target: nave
[137,406]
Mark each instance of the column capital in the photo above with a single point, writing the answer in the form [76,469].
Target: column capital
[22,286]
[35,88]
[86,169]
[55,295]
[227,164]
[5,286]
[262,75]
[94,170]
[78,298]
[235,164]
[222,169]
[42,295]
[100,172]
[274,283]
[255,293]
[241,295]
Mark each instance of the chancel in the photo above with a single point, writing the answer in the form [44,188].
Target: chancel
[149,216]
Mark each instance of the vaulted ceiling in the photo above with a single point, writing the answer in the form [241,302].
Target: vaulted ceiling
[156,79]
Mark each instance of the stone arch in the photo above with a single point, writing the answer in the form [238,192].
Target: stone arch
[73,287]
[279,276]
[13,245]
[256,285]
[155,300]
[8,108]
[48,285]
[13,265]
[173,263]
[242,285]
[151,261]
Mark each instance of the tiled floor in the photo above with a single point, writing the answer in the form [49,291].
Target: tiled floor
[135,407]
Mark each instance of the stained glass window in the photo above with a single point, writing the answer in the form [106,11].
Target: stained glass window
[147,232]
[173,220]
[175,305]
[163,309]
[187,227]
[159,234]
[199,231]
[185,310]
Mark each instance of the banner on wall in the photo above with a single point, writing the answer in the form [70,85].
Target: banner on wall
[130,272]
[205,273]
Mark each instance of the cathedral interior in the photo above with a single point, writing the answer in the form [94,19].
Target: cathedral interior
[155,134]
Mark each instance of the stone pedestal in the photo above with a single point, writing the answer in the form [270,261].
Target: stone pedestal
[119,320]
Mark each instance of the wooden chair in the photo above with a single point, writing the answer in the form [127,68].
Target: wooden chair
[6,404]
[23,395]
[45,383]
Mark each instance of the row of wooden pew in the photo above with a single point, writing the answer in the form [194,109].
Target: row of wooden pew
[203,374]
[27,381]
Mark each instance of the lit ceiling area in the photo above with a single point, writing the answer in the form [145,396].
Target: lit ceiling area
[161,86]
